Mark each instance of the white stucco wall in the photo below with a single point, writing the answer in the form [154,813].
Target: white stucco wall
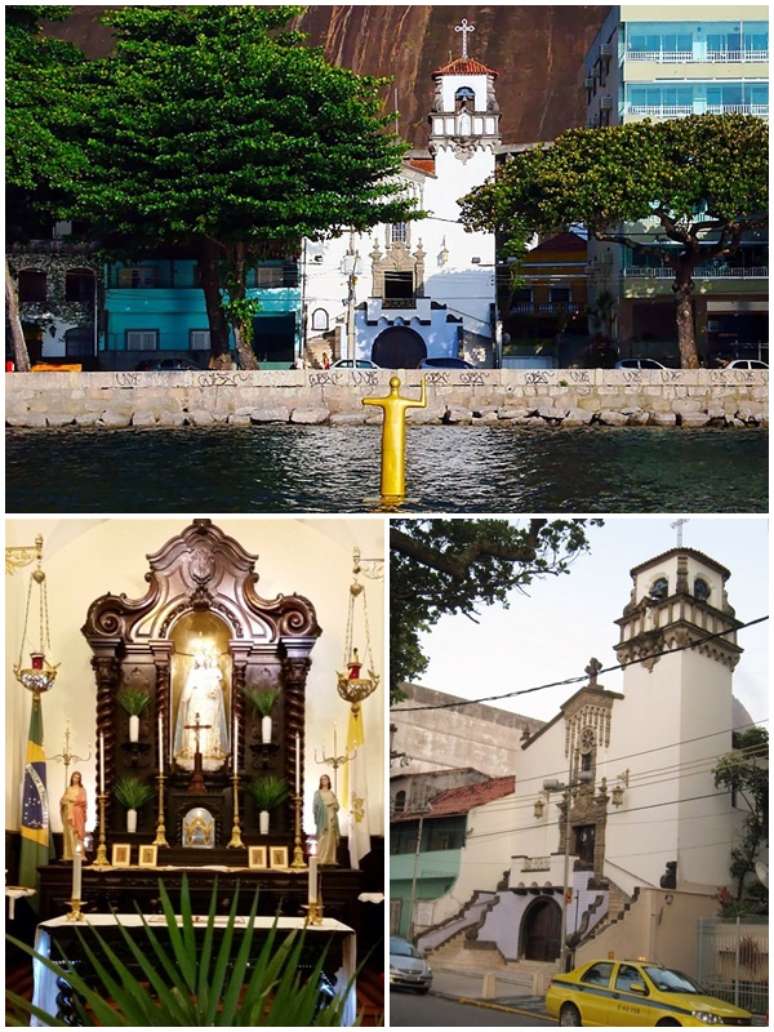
[85,558]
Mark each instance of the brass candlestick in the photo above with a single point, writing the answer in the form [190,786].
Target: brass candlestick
[102,860]
[236,835]
[314,912]
[298,849]
[75,911]
[161,836]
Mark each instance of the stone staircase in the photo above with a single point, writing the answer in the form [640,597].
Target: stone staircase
[464,919]
[619,905]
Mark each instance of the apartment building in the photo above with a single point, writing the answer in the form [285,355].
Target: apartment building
[657,62]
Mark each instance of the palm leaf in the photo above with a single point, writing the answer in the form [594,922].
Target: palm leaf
[180,990]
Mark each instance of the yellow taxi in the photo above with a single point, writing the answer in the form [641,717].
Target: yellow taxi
[635,992]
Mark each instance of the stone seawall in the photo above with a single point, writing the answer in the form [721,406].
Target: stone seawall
[501,397]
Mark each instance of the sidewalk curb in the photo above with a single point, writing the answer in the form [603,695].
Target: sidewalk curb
[472,1001]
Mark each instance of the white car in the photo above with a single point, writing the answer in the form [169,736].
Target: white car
[408,968]
[358,363]
[638,363]
[747,363]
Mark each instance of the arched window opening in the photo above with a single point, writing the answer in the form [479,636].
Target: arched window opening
[400,801]
[659,588]
[701,589]
[320,320]
[464,99]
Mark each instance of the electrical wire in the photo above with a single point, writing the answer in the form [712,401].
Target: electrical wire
[583,677]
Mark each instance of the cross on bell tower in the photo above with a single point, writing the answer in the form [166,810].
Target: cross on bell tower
[678,526]
[464,27]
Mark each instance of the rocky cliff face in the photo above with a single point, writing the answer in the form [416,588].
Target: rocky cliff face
[537,50]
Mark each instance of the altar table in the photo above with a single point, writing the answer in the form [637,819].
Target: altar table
[45,988]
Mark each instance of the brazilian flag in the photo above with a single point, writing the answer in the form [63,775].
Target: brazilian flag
[37,847]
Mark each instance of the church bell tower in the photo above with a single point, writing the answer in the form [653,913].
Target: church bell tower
[678,632]
[465,116]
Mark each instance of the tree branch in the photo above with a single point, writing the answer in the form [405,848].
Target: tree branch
[458,566]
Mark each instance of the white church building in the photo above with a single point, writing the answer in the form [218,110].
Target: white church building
[650,836]
[420,289]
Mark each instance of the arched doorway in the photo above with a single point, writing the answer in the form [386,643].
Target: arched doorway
[541,930]
[398,347]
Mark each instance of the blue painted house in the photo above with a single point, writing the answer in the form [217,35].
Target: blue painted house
[154,311]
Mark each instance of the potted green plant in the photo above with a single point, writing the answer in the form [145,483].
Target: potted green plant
[263,702]
[220,980]
[133,701]
[133,794]
[268,792]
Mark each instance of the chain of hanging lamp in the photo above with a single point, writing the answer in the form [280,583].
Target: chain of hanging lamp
[356,688]
[41,675]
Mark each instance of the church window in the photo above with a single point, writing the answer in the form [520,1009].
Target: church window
[399,232]
[398,284]
[400,801]
[586,761]
[701,589]
[659,588]
[464,97]
[320,320]
[32,285]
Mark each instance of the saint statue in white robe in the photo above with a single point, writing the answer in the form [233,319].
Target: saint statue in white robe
[202,697]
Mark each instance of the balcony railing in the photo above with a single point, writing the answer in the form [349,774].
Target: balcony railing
[686,56]
[700,272]
[547,308]
[680,110]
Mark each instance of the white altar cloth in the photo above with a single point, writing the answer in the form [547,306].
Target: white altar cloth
[45,991]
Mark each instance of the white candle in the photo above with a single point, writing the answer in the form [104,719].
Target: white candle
[236,746]
[334,739]
[161,744]
[101,763]
[77,861]
[298,763]
[312,879]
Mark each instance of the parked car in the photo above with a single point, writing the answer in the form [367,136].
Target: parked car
[747,363]
[445,363]
[358,363]
[154,364]
[634,992]
[408,968]
[638,363]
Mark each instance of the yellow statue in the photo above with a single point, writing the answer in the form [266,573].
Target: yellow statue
[394,436]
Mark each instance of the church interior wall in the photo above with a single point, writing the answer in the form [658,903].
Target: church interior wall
[83,559]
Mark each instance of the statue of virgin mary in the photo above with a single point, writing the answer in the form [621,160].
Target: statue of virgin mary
[202,698]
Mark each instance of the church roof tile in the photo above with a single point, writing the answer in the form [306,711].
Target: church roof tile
[459,800]
[465,66]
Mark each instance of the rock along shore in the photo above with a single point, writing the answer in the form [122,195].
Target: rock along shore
[498,398]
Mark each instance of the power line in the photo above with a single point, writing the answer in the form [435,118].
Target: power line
[645,752]
[584,676]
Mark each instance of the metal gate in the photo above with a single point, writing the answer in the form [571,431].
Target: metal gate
[734,960]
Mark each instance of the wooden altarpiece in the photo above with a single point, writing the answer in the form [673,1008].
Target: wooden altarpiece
[201,581]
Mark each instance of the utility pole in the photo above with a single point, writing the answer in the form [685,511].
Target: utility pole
[414,877]
[556,786]
[351,269]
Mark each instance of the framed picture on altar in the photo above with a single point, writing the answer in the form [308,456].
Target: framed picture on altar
[278,858]
[256,858]
[121,855]
[148,856]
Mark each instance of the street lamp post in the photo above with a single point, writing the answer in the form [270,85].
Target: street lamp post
[584,777]
[415,875]
[350,266]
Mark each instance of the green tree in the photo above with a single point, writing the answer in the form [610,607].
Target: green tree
[745,773]
[217,130]
[439,567]
[42,158]
[696,184]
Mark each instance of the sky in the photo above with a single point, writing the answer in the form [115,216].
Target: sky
[565,620]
